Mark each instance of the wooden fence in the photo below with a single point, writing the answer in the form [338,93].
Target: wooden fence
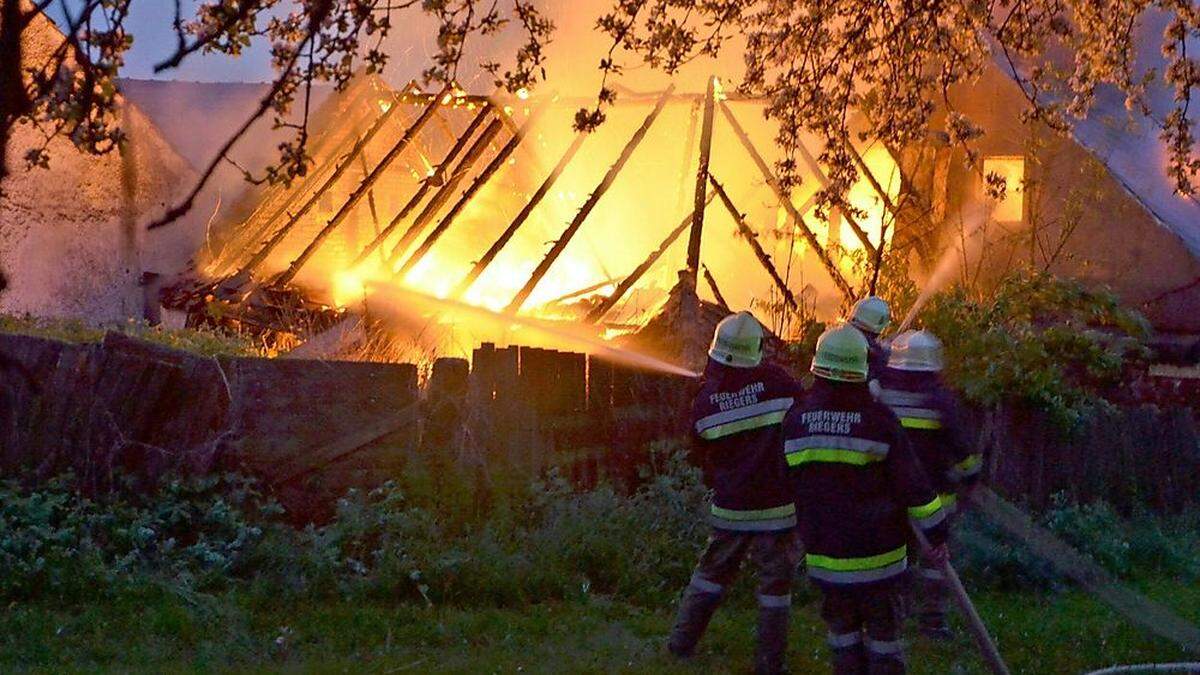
[311,429]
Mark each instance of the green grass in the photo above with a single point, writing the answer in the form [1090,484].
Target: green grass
[202,342]
[155,631]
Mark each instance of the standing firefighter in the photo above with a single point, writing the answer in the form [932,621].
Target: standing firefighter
[738,415]
[912,387]
[857,485]
[871,315]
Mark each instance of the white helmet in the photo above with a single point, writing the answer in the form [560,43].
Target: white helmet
[871,314]
[916,350]
[737,341]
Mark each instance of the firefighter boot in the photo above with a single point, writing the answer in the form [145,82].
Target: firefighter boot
[700,600]
[772,640]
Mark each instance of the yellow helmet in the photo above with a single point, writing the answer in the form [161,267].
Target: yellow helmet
[737,341]
[871,314]
[841,355]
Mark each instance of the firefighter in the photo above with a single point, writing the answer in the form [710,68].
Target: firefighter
[737,417]
[858,488]
[871,316]
[912,387]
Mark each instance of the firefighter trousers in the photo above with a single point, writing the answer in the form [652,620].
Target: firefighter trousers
[774,556]
[864,628]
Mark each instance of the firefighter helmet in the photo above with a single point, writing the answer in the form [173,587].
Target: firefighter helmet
[841,355]
[737,341]
[916,350]
[871,315]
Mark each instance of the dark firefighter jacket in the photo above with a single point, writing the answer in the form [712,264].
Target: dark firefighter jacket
[930,416]
[737,418]
[877,356]
[858,485]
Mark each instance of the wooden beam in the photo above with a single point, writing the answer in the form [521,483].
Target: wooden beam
[820,174]
[593,199]
[243,274]
[439,176]
[355,197]
[638,272]
[484,176]
[517,222]
[440,197]
[751,238]
[797,217]
[590,288]
[292,195]
[712,286]
[866,172]
[706,134]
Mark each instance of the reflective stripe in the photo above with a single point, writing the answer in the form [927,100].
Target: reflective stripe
[900,397]
[754,514]
[705,586]
[834,449]
[849,564]
[839,442]
[748,417]
[966,468]
[925,510]
[753,525]
[921,413]
[885,648]
[843,640]
[831,456]
[858,577]
[928,515]
[918,423]
[949,501]
[774,601]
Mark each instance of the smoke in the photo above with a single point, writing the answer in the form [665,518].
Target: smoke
[448,326]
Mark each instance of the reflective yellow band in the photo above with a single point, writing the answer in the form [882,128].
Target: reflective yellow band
[856,564]
[755,514]
[756,422]
[925,510]
[919,423]
[969,465]
[832,455]
[949,499]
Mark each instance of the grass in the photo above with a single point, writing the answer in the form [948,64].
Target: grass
[202,342]
[155,631]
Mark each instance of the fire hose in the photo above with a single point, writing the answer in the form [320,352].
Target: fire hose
[1139,609]
[979,631]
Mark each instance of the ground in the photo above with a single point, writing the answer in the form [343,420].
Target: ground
[1066,632]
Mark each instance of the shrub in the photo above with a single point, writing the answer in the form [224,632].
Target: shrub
[1040,341]
[193,535]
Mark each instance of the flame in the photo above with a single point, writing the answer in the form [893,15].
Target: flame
[523,93]
[648,199]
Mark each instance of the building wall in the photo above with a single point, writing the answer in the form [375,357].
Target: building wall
[72,237]
[1077,220]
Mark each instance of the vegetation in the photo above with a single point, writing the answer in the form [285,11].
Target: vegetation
[1037,340]
[436,570]
[199,341]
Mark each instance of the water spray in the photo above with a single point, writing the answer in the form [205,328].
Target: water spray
[974,226]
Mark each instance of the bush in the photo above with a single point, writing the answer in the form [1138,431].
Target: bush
[1135,548]
[194,535]
[1039,341]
